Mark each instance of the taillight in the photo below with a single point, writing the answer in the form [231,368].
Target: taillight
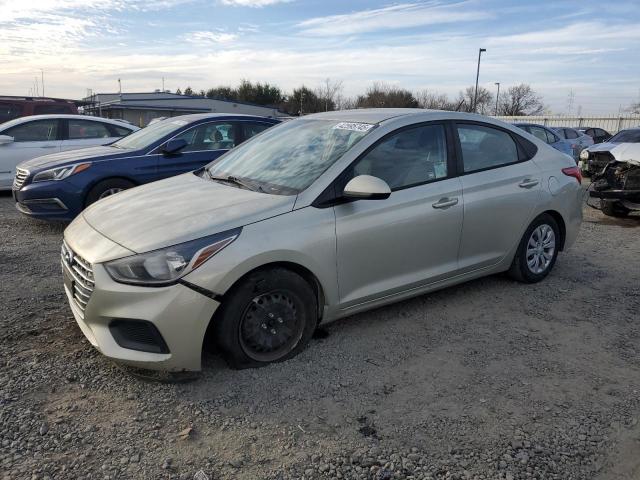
[573,172]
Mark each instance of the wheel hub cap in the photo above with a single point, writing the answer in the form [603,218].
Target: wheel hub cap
[270,327]
[541,248]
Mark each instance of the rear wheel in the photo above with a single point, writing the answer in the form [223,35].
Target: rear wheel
[269,317]
[106,188]
[613,208]
[537,251]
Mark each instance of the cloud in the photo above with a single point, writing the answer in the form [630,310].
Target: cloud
[252,3]
[207,37]
[404,15]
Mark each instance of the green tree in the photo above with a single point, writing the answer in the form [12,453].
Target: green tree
[303,101]
[178,92]
[188,91]
[222,93]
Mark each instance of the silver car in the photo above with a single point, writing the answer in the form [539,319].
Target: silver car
[313,220]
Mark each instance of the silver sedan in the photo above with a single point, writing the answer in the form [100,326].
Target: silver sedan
[313,220]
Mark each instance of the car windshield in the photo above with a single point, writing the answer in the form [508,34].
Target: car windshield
[626,136]
[291,156]
[149,135]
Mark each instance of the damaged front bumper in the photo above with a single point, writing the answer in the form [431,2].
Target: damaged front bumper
[619,181]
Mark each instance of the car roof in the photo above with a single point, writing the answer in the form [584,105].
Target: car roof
[379,115]
[29,118]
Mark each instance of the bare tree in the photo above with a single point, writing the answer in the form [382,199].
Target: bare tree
[328,92]
[483,102]
[520,100]
[434,100]
[634,108]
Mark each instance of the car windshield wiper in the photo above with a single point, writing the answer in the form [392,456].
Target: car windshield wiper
[234,180]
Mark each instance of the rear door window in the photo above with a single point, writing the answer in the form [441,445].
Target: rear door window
[249,129]
[86,129]
[552,137]
[486,147]
[37,131]
[539,133]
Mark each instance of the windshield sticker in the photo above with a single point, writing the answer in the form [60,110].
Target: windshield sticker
[355,127]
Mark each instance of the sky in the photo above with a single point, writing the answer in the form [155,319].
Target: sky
[580,56]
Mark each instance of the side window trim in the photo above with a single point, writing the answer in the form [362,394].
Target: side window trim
[523,156]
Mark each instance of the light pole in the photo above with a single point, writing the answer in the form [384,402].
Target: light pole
[497,97]
[475,95]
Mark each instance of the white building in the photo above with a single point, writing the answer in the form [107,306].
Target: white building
[141,108]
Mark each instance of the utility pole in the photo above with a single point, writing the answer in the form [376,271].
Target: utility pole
[162,84]
[42,72]
[475,95]
[301,101]
[497,97]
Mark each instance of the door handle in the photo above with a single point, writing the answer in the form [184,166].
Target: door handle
[445,203]
[528,183]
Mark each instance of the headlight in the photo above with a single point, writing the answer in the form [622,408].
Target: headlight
[60,172]
[166,265]
[584,154]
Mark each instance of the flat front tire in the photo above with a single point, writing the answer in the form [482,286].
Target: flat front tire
[613,208]
[537,250]
[269,317]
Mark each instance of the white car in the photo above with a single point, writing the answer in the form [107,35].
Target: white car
[29,137]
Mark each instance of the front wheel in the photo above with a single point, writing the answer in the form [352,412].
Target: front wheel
[106,188]
[537,251]
[269,317]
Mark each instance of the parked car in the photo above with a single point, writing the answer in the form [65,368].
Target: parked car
[29,137]
[548,136]
[595,158]
[317,218]
[599,135]
[618,185]
[578,140]
[16,107]
[59,186]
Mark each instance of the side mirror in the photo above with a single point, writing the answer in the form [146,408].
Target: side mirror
[367,187]
[5,139]
[174,145]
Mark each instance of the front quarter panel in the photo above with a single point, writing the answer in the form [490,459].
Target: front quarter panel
[305,237]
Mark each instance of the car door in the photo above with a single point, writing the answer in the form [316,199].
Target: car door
[500,188]
[30,139]
[86,133]
[411,238]
[205,142]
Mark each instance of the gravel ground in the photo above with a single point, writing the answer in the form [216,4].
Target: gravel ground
[487,380]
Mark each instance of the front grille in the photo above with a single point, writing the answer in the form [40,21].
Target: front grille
[81,273]
[21,176]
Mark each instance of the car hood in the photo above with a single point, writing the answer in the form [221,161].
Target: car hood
[623,152]
[72,156]
[179,209]
[603,147]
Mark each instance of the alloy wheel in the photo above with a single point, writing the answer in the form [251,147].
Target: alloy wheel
[109,192]
[541,248]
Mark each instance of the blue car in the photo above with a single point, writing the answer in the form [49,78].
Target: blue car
[548,136]
[61,185]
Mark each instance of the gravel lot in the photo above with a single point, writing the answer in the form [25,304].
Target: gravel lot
[487,380]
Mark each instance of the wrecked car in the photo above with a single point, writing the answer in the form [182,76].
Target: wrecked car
[618,184]
[593,159]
